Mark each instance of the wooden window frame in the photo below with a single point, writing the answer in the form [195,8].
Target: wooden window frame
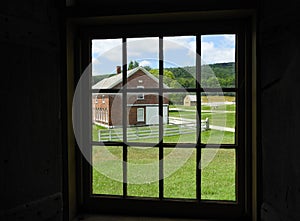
[174,208]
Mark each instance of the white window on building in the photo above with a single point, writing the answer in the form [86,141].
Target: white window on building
[106,116]
[140,115]
[140,96]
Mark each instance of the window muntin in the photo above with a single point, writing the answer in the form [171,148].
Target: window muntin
[231,145]
[181,117]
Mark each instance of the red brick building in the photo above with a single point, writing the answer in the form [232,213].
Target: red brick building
[142,108]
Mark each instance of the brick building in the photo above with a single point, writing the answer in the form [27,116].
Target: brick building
[142,108]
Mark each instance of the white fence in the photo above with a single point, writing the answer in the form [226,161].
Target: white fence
[134,133]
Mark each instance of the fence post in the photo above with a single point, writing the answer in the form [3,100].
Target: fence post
[207,123]
[99,136]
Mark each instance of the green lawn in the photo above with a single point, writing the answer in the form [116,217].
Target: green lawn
[216,116]
[217,180]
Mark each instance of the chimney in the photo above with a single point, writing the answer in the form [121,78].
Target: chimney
[118,69]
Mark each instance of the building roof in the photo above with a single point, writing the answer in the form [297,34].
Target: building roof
[192,97]
[111,82]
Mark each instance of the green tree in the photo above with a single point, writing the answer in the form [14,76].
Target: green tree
[132,65]
[168,76]
[148,68]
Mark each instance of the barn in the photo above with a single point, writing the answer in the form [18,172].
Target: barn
[142,108]
[190,100]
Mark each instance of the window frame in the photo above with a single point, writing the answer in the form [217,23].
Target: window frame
[140,96]
[143,113]
[170,207]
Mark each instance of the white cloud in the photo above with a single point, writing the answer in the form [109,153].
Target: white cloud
[229,40]
[103,45]
[144,63]
[184,49]
[139,46]
[95,61]
[108,48]
[180,42]
[179,49]
[225,52]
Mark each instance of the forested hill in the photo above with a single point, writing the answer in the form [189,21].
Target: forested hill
[212,75]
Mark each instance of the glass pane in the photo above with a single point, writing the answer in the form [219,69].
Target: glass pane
[143,172]
[180,61]
[218,179]
[142,58]
[218,61]
[218,110]
[143,117]
[106,63]
[107,117]
[180,172]
[182,118]
[107,173]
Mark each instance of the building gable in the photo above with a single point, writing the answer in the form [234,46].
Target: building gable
[133,77]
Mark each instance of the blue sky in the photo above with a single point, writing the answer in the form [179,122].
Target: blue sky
[179,51]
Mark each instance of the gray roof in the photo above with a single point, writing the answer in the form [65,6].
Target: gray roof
[192,97]
[111,82]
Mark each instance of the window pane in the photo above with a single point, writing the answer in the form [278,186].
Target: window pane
[107,170]
[106,63]
[143,117]
[107,117]
[182,118]
[218,174]
[143,53]
[219,109]
[143,172]
[180,61]
[180,164]
[218,61]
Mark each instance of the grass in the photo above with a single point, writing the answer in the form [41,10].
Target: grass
[217,179]
[216,116]
[208,98]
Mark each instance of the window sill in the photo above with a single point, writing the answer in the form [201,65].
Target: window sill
[87,217]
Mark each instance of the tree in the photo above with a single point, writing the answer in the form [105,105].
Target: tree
[168,76]
[148,68]
[132,65]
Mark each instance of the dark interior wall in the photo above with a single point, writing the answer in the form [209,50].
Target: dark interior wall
[279,58]
[30,154]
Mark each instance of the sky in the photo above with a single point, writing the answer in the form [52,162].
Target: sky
[179,51]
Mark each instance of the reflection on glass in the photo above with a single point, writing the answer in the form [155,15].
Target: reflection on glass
[180,62]
[107,172]
[106,62]
[180,164]
[218,61]
[107,117]
[218,174]
[143,117]
[182,118]
[219,110]
[142,58]
[143,167]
